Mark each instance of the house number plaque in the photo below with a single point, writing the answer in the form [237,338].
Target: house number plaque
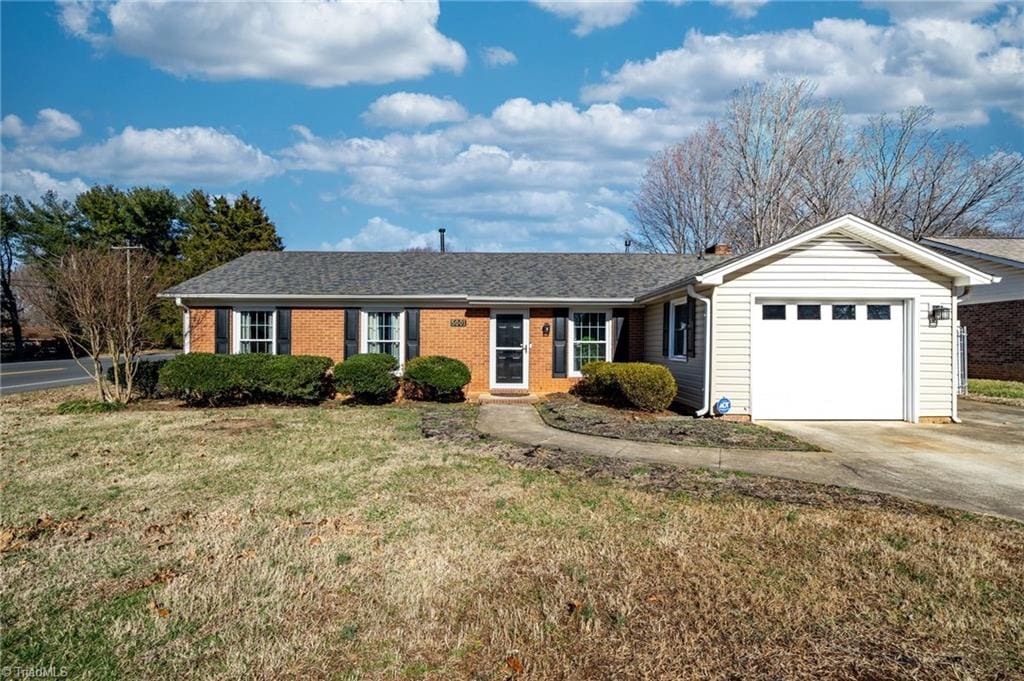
[457,322]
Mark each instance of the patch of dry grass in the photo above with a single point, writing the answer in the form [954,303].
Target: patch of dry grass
[340,543]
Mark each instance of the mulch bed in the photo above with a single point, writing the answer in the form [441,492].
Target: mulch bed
[571,413]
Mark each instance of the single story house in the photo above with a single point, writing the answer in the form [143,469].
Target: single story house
[843,321]
[993,315]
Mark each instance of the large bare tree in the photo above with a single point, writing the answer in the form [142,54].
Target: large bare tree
[685,202]
[97,300]
[917,182]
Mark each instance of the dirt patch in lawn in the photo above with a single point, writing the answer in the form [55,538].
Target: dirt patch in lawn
[458,424]
[571,413]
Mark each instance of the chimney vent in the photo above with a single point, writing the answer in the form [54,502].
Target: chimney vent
[719,249]
[441,232]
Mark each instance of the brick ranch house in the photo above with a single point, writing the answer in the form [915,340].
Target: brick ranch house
[993,315]
[843,321]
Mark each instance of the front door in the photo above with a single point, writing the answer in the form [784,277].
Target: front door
[510,347]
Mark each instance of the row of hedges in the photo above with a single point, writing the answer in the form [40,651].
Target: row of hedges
[372,378]
[648,387]
[202,378]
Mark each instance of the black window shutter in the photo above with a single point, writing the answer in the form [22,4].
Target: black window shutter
[351,331]
[691,328]
[621,317]
[284,331]
[412,333]
[665,309]
[559,337]
[222,331]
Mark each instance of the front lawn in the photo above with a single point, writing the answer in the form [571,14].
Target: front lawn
[570,413]
[340,542]
[990,388]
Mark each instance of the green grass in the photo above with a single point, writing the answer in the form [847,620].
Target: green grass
[82,406]
[337,542]
[991,388]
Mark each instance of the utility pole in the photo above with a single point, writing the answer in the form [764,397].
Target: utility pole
[128,248]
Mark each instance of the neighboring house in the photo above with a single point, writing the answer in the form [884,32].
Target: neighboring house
[993,315]
[844,321]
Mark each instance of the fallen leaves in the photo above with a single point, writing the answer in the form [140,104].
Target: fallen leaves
[158,610]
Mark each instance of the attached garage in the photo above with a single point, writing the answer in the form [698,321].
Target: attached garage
[835,360]
[844,321]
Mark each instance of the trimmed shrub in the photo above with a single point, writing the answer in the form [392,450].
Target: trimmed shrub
[203,378]
[82,406]
[649,387]
[368,377]
[146,383]
[436,378]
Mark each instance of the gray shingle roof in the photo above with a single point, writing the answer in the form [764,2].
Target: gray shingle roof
[475,275]
[1007,249]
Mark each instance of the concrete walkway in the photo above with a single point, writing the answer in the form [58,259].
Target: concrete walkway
[942,478]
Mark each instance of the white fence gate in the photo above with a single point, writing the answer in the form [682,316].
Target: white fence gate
[961,363]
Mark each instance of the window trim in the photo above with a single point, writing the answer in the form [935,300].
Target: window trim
[236,327]
[364,330]
[673,356]
[570,351]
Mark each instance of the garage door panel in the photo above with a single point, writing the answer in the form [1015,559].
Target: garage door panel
[809,365]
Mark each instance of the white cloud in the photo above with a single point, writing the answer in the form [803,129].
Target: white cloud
[498,56]
[321,44]
[909,9]
[189,154]
[588,15]
[31,184]
[51,126]
[413,110]
[380,235]
[962,69]
[744,9]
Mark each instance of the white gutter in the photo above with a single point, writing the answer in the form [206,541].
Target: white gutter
[459,298]
[294,296]
[707,348]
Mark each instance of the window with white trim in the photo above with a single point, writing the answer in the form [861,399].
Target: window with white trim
[679,328]
[589,338]
[383,332]
[255,331]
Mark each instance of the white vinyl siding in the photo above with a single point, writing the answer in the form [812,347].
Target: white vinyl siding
[1010,288]
[835,266]
[689,375]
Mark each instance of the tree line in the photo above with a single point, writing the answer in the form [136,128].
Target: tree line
[46,244]
[781,160]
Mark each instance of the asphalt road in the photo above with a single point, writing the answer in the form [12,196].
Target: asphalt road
[19,377]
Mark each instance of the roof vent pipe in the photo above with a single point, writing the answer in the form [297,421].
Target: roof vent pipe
[628,244]
[441,232]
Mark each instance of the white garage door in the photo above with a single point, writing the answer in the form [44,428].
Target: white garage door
[827,360]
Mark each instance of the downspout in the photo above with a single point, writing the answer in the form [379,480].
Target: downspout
[186,332]
[707,349]
[958,293]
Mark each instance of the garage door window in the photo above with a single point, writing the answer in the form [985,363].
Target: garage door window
[773,312]
[808,311]
[844,312]
[878,312]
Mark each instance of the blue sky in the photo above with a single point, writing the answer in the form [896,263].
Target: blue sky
[518,126]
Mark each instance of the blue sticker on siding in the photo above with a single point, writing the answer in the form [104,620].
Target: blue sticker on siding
[723,405]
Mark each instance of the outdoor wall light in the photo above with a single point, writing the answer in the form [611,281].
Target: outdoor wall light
[938,313]
[546,329]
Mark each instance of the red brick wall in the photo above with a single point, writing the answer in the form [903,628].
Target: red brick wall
[203,328]
[636,335]
[469,344]
[319,331]
[542,353]
[995,339]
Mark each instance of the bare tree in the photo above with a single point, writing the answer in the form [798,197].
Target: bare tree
[921,184]
[772,131]
[97,301]
[826,173]
[685,200]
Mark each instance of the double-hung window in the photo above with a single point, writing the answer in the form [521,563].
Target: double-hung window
[384,332]
[255,331]
[680,327]
[589,339]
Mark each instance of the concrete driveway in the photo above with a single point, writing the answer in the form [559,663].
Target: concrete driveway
[976,466]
